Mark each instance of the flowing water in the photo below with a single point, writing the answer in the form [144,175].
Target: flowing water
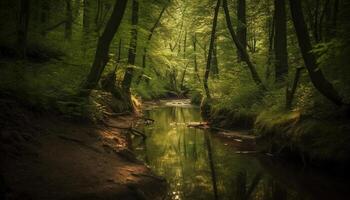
[202,165]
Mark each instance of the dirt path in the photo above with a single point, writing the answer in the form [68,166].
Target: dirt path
[63,160]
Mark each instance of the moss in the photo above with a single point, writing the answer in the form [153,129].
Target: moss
[196,97]
[232,119]
[291,134]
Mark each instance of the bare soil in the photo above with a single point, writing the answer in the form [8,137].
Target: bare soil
[45,157]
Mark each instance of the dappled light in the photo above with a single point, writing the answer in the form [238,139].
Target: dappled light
[174,99]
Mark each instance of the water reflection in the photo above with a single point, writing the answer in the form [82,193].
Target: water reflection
[198,165]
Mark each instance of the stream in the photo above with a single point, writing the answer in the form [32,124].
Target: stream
[199,164]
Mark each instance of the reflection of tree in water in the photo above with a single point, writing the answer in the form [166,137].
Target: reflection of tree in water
[243,190]
[211,165]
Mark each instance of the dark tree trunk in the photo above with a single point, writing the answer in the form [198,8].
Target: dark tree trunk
[22,32]
[44,15]
[335,17]
[214,62]
[104,41]
[241,26]
[271,27]
[86,25]
[211,47]
[69,20]
[317,8]
[86,17]
[315,73]
[281,54]
[126,84]
[240,47]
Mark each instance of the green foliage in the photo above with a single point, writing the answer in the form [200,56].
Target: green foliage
[149,90]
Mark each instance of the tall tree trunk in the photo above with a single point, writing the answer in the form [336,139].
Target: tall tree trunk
[86,25]
[126,84]
[241,26]
[214,61]
[290,92]
[22,32]
[149,38]
[118,55]
[335,17]
[240,47]
[104,41]
[315,73]
[271,27]
[281,54]
[195,58]
[69,20]
[211,47]
[315,29]
[184,58]
[45,8]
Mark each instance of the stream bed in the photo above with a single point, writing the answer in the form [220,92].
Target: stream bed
[199,164]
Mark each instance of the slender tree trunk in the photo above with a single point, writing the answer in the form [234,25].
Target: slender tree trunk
[271,27]
[335,18]
[86,25]
[211,47]
[281,54]
[22,32]
[44,15]
[119,52]
[315,29]
[195,58]
[291,91]
[241,26]
[149,38]
[126,84]
[315,73]
[104,41]
[321,22]
[184,58]
[69,20]
[214,62]
[243,51]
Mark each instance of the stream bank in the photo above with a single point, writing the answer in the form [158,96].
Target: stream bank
[309,139]
[45,156]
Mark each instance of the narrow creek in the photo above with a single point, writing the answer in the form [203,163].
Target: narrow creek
[199,164]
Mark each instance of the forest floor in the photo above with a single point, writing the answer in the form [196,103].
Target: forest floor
[46,157]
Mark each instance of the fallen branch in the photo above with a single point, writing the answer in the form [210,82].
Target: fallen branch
[132,130]
[116,114]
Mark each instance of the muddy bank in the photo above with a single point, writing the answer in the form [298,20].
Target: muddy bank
[46,157]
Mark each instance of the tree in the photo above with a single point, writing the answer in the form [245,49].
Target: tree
[104,41]
[241,26]
[194,41]
[211,48]
[149,38]
[240,47]
[22,32]
[281,54]
[69,20]
[315,73]
[126,84]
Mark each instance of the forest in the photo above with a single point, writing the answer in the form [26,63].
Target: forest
[174,99]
